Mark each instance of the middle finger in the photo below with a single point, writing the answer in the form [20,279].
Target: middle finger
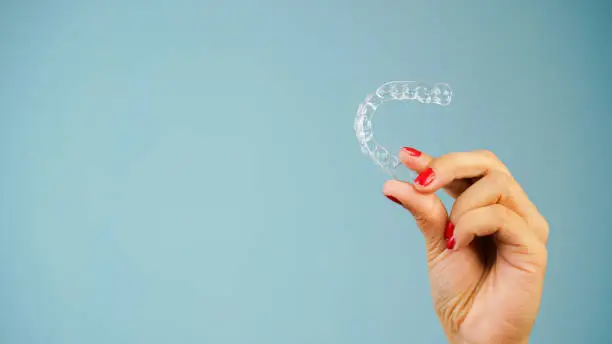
[499,188]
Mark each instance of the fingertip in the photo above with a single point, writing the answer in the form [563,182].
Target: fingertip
[410,152]
[425,180]
[390,190]
[451,243]
[449,231]
[393,199]
[449,236]
[390,186]
[401,192]
[413,158]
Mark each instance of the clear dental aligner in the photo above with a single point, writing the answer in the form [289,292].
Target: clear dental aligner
[440,94]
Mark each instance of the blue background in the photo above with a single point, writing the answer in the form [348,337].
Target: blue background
[186,171]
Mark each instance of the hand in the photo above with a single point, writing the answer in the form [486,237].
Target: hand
[487,259]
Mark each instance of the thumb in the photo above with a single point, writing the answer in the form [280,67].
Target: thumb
[427,209]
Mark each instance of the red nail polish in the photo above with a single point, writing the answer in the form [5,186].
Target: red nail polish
[426,177]
[393,199]
[412,152]
[450,243]
[450,230]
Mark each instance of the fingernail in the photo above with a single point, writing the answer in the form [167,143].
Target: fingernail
[393,199]
[426,177]
[412,152]
[450,243]
[450,230]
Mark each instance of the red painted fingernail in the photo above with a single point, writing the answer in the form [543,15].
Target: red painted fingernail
[426,177]
[412,152]
[450,230]
[393,199]
[450,243]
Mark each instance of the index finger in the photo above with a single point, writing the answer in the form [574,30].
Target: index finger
[448,168]
[418,162]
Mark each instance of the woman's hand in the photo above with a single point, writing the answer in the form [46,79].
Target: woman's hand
[487,259]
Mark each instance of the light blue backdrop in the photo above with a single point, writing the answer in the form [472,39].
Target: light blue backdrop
[186,171]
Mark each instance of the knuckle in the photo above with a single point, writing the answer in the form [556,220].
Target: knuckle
[425,224]
[422,220]
[543,222]
[498,164]
[486,153]
[504,216]
[543,227]
[500,177]
[419,217]
[538,256]
[502,181]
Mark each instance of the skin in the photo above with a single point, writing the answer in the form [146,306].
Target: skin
[486,275]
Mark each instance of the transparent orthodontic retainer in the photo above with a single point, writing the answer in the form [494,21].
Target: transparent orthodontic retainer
[440,94]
